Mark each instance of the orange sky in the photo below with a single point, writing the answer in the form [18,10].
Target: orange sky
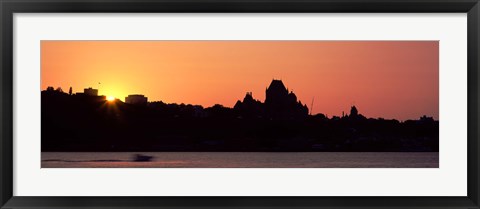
[389,79]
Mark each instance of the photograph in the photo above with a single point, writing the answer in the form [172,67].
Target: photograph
[239,104]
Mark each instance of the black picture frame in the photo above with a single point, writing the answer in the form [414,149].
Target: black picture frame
[9,7]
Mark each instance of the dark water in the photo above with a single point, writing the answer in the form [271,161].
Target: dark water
[242,160]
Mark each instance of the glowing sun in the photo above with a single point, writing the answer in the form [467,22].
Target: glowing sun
[110,98]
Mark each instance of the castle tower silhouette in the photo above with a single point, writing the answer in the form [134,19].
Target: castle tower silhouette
[276,93]
[280,104]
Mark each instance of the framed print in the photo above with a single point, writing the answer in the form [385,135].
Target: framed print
[258,104]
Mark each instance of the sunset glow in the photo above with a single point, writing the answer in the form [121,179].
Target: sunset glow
[389,79]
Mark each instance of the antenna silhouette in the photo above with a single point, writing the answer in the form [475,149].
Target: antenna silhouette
[311,106]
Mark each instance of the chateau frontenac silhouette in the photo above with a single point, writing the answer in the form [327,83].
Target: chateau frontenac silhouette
[86,121]
[279,104]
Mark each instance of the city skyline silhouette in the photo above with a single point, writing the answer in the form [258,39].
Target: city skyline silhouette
[87,121]
[280,96]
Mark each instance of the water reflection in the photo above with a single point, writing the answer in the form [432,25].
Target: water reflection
[242,160]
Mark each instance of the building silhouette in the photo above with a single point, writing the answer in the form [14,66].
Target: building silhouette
[136,99]
[282,104]
[90,91]
[353,111]
[249,107]
[279,104]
